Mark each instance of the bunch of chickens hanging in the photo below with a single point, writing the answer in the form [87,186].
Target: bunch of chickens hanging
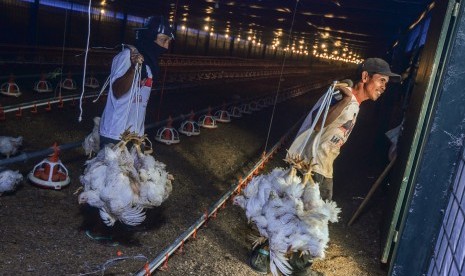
[122,182]
[288,210]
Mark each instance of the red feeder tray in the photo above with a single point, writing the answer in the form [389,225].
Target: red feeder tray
[190,126]
[245,108]
[43,86]
[68,83]
[10,88]
[207,121]
[222,116]
[92,83]
[235,112]
[168,135]
[50,173]
[253,106]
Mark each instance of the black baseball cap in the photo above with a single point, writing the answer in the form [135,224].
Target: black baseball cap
[378,66]
[155,25]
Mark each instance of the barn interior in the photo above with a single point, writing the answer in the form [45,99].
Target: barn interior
[273,57]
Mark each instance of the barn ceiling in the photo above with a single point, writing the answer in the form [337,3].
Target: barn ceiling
[367,27]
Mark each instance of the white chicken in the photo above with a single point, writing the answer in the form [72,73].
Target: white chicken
[9,180]
[123,183]
[9,145]
[290,214]
[91,143]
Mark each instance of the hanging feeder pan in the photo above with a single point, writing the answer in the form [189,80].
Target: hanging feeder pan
[261,103]
[245,109]
[92,82]
[235,112]
[222,116]
[50,175]
[10,89]
[253,106]
[68,84]
[269,101]
[189,128]
[43,86]
[167,135]
[207,121]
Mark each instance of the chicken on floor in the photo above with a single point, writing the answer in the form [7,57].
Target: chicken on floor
[9,145]
[9,180]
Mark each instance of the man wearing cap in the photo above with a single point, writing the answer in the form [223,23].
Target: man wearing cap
[127,102]
[373,76]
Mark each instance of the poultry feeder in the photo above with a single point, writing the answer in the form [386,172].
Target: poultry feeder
[222,116]
[253,106]
[245,108]
[68,83]
[190,127]
[261,103]
[207,120]
[50,173]
[235,112]
[168,134]
[43,86]
[10,88]
[269,101]
[92,83]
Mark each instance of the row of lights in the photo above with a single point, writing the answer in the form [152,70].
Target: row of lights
[335,56]
[301,49]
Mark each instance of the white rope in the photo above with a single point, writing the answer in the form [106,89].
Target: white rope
[85,60]
[325,114]
[107,82]
[323,107]
[62,56]
[103,88]
[135,90]
[281,76]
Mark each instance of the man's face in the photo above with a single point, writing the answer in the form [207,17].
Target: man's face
[163,40]
[374,85]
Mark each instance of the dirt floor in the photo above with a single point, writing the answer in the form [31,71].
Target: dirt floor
[43,232]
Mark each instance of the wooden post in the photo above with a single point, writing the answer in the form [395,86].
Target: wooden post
[372,190]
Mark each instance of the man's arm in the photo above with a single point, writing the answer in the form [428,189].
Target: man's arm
[335,110]
[123,84]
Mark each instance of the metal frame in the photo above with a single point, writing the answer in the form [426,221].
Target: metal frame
[427,172]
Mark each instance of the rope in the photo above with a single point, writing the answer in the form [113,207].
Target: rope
[62,53]
[135,90]
[166,67]
[326,102]
[103,88]
[107,82]
[280,77]
[85,60]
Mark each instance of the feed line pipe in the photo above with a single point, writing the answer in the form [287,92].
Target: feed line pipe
[179,241]
[45,152]
[53,100]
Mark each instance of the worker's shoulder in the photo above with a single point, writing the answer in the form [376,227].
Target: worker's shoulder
[125,53]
